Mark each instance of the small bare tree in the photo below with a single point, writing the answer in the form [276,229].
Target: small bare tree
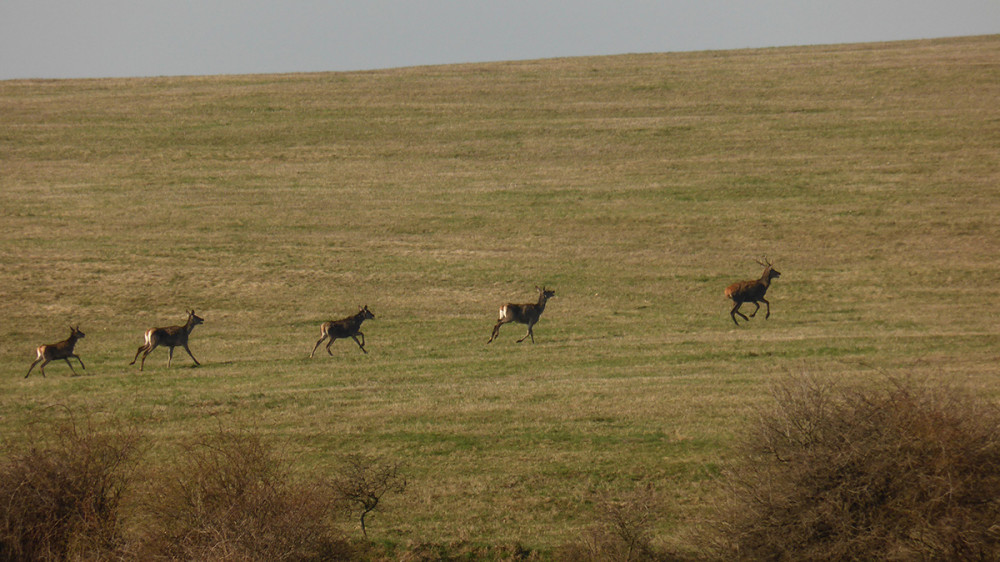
[364,481]
[623,531]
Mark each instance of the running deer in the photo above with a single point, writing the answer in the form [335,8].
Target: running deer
[171,337]
[61,350]
[523,314]
[349,327]
[752,291]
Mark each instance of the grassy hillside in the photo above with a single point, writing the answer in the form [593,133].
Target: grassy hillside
[637,187]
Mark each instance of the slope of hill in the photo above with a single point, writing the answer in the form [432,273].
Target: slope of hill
[637,187]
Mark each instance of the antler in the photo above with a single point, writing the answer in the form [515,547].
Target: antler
[765,263]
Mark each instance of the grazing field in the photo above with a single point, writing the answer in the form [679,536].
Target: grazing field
[636,187]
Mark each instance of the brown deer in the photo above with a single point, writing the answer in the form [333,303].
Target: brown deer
[61,350]
[523,314]
[349,327]
[171,337]
[752,291]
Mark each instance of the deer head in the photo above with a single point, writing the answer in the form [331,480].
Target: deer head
[769,271]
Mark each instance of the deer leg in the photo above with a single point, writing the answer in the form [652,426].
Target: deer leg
[754,313]
[141,349]
[42,366]
[32,366]
[80,360]
[530,333]
[496,330]
[70,365]
[149,348]
[170,356]
[502,319]
[361,345]
[328,344]
[317,345]
[768,314]
[189,354]
[362,339]
[735,311]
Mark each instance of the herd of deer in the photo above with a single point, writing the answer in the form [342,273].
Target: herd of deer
[170,337]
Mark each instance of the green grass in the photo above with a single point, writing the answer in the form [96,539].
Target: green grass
[637,187]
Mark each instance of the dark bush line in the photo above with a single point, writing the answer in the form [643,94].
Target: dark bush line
[229,496]
[834,472]
[831,472]
[60,495]
[234,498]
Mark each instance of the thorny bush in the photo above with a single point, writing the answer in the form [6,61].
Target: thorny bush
[906,471]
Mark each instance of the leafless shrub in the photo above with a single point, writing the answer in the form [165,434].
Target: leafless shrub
[458,550]
[60,492]
[623,533]
[363,481]
[838,473]
[232,498]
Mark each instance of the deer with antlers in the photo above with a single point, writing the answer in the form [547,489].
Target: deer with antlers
[523,314]
[753,291]
[349,327]
[61,350]
[171,337]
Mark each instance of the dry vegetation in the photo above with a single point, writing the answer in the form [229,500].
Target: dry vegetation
[907,472]
[61,495]
[637,187]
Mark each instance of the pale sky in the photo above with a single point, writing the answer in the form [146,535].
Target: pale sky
[119,38]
